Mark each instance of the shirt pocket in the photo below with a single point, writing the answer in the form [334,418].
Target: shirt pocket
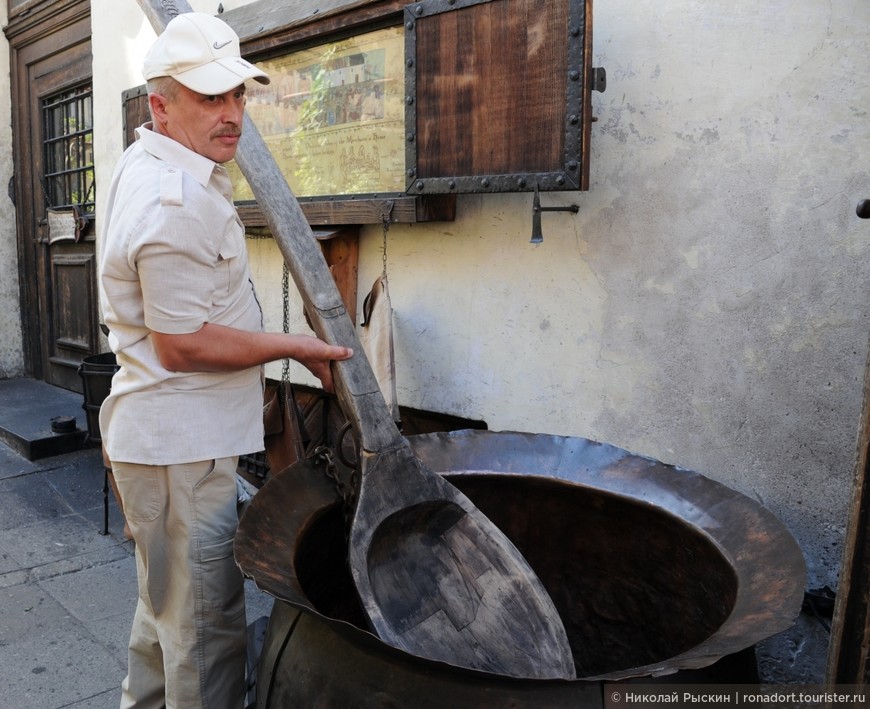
[228,266]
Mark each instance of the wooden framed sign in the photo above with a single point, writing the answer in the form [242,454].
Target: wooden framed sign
[498,95]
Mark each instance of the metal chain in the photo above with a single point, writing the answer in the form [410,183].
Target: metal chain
[44,192]
[48,202]
[285,321]
[386,222]
[346,490]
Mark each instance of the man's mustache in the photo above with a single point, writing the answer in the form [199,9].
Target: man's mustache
[230,132]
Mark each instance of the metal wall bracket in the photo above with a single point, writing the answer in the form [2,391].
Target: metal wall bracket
[537,234]
[599,79]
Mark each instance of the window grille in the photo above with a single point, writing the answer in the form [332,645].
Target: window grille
[68,149]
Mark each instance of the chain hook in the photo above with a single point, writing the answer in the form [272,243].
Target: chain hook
[346,491]
[386,217]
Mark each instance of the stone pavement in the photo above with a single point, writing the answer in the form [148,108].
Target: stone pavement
[67,592]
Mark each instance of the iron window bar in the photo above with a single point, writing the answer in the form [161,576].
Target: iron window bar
[68,149]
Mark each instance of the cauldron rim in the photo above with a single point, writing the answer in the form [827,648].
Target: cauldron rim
[758,612]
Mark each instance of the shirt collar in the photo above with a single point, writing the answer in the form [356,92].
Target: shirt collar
[164,148]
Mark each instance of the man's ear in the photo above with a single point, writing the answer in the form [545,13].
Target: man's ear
[157,103]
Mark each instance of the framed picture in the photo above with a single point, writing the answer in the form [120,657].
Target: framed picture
[333,117]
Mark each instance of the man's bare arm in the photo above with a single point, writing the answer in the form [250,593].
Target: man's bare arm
[216,348]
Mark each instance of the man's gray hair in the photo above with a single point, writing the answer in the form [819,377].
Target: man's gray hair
[165,86]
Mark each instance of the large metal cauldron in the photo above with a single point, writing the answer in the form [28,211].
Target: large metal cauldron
[654,570]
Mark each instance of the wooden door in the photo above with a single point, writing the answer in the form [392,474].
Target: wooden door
[53,155]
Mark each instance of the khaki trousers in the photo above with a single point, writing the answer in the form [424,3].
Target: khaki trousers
[188,642]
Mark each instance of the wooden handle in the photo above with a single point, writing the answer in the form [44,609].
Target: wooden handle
[356,386]
[355,383]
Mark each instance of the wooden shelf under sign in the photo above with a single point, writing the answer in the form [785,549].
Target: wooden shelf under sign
[402,210]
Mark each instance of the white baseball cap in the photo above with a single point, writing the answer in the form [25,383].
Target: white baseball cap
[202,53]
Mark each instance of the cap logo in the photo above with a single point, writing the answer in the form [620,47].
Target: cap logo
[221,45]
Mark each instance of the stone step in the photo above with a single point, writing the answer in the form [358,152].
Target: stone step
[28,410]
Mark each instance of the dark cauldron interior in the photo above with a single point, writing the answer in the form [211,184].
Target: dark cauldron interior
[634,585]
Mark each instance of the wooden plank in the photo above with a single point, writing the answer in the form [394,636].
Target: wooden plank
[341,250]
[499,106]
[586,128]
[136,112]
[405,210]
[274,24]
[849,653]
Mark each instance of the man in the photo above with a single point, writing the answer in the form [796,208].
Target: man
[187,400]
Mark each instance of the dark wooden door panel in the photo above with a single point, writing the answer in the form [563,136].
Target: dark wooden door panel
[74,333]
[50,55]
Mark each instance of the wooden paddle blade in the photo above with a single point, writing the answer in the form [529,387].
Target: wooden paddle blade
[440,581]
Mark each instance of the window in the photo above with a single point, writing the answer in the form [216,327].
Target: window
[334,117]
[68,149]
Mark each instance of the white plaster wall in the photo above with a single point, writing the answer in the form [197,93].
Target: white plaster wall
[11,346]
[706,307]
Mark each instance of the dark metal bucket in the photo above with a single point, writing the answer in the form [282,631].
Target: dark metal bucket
[654,570]
[96,372]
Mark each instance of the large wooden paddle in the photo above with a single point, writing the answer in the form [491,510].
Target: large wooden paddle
[435,576]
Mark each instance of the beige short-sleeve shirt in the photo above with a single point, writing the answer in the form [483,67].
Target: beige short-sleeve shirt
[172,258]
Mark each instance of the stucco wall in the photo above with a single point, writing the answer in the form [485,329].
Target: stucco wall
[706,307]
[11,350]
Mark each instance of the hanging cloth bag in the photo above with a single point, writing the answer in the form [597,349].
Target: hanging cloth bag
[376,336]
